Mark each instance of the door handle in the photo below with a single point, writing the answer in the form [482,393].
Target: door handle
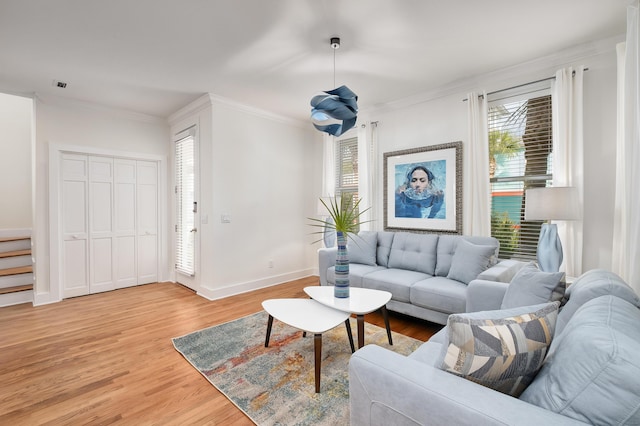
[194,230]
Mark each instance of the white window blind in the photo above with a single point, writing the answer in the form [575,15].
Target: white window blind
[185,198]
[347,167]
[520,145]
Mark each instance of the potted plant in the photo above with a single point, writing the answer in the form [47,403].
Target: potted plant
[344,219]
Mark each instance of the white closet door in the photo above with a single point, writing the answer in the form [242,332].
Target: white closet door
[147,221]
[101,249]
[75,247]
[125,223]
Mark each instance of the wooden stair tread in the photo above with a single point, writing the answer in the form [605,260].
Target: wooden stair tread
[5,239]
[16,289]
[16,271]
[15,253]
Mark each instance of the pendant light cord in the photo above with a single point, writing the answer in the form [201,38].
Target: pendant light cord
[334,68]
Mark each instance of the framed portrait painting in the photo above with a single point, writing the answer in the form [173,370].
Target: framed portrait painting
[423,189]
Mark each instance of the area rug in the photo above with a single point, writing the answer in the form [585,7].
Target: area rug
[275,385]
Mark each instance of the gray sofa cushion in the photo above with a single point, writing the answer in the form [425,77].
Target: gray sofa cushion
[414,252]
[396,281]
[447,247]
[591,284]
[362,248]
[356,272]
[440,294]
[385,239]
[591,373]
[501,349]
[531,286]
[469,260]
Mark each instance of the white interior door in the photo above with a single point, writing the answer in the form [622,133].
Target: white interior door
[75,247]
[125,223]
[147,221]
[187,214]
[101,248]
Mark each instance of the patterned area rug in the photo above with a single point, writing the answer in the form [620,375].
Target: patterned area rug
[275,385]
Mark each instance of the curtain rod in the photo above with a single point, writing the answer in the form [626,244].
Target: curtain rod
[573,73]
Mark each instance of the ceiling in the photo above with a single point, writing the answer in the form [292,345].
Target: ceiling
[156,56]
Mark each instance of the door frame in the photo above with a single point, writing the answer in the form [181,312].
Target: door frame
[55,206]
[190,281]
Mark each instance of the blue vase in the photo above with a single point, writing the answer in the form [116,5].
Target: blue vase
[341,288]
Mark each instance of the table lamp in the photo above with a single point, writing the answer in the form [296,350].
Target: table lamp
[550,203]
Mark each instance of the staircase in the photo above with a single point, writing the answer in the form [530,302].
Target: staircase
[16,271]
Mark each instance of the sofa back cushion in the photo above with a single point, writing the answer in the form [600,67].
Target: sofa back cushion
[385,239]
[362,248]
[592,370]
[414,252]
[592,284]
[447,247]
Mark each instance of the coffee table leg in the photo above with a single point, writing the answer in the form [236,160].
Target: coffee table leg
[348,324]
[385,315]
[360,321]
[317,349]
[269,324]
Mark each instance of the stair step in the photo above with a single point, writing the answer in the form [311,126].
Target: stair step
[16,289]
[15,253]
[4,239]
[16,271]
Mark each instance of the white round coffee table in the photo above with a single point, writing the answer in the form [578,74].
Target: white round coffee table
[309,316]
[361,301]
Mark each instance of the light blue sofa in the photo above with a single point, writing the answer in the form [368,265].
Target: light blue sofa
[590,375]
[429,276]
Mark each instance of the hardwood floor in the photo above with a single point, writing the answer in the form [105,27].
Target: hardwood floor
[108,358]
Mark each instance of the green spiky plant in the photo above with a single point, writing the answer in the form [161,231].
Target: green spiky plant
[345,215]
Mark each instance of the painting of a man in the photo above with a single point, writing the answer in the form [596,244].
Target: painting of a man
[418,192]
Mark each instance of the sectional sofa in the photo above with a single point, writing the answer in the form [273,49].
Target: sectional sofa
[590,368]
[429,276]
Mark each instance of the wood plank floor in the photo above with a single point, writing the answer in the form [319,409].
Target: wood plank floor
[108,358]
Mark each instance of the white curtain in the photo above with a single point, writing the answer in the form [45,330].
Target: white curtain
[476,186]
[328,166]
[626,232]
[568,158]
[367,140]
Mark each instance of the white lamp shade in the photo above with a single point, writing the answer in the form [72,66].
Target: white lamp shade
[552,203]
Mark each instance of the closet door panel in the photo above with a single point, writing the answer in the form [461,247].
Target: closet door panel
[101,235]
[147,221]
[125,223]
[75,247]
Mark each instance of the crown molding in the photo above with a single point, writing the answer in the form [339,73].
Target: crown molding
[258,112]
[112,111]
[491,80]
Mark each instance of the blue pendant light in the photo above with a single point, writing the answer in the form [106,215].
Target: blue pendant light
[335,111]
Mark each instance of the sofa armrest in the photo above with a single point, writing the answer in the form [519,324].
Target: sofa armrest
[326,259]
[386,388]
[502,271]
[483,295]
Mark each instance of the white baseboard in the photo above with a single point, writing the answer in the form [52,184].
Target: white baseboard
[234,289]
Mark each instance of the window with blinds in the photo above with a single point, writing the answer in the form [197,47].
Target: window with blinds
[185,198]
[347,167]
[520,146]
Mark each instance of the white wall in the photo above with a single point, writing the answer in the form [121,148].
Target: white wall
[262,172]
[15,162]
[441,117]
[63,122]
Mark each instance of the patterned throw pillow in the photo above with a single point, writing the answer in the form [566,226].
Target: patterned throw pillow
[502,350]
